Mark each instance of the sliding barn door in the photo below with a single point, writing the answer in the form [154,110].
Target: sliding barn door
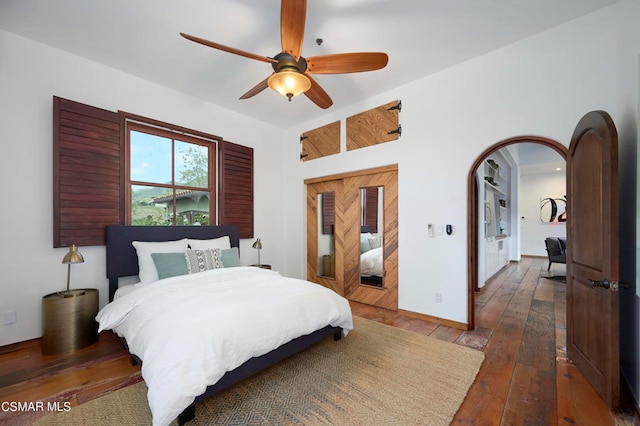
[352,222]
[325,258]
[379,291]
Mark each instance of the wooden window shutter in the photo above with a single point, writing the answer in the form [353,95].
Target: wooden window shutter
[235,196]
[371,208]
[86,173]
[328,212]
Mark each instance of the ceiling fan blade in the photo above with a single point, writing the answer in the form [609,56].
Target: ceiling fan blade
[317,95]
[228,49]
[342,63]
[292,19]
[256,89]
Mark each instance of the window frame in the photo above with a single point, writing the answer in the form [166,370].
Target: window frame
[137,123]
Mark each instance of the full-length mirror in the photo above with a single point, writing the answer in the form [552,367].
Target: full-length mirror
[326,230]
[371,236]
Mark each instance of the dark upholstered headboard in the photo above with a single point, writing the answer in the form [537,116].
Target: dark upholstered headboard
[122,260]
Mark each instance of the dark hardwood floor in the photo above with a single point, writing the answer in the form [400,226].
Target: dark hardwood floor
[526,378]
[520,326]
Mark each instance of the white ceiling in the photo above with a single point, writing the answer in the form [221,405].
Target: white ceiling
[543,168]
[534,159]
[141,37]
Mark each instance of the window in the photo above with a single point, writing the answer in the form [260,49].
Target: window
[97,183]
[171,177]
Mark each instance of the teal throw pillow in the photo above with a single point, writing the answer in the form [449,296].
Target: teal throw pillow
[170,264]
[230,257]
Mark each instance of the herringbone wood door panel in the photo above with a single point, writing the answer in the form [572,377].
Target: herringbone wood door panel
[347,190]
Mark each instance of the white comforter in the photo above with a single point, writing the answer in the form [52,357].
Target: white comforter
[190,330]
[372,263]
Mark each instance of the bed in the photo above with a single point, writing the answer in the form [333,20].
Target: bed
[371,263]
[371,258]
[249,326]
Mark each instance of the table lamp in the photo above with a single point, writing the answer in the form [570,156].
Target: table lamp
[258,246]
[72,256]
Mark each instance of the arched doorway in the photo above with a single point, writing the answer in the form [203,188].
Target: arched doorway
[472,211]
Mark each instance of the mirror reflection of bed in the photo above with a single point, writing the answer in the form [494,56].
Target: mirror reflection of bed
[371,260]
[371,238]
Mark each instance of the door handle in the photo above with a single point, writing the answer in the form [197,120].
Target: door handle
[606,284]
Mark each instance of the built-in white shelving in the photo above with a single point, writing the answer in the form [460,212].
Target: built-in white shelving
[497,222]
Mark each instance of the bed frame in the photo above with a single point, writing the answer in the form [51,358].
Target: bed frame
[122,261]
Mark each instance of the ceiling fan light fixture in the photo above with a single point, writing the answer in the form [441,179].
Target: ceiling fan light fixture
[289,82]
[291,71]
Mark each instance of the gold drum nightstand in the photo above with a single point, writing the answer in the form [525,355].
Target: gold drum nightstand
[68,320]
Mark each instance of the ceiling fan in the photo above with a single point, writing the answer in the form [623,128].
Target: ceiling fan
[291,72]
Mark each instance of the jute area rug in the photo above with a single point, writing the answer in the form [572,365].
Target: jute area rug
[377,375]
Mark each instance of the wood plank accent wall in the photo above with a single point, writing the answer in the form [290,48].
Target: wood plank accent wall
[236,187]
[321,142]
[373,126]
[87,173]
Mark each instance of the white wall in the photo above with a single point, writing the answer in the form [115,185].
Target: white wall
[628,75]
[30,74]
[533,231]
[534,87]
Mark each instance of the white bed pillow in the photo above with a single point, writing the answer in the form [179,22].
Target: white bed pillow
[214,243]
[148,272]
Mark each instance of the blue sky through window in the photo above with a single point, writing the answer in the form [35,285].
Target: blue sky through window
[151,157]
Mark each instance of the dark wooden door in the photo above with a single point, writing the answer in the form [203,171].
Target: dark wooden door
[592,261]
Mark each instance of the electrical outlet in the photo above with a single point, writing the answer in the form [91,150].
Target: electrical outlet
[10,317]
[438,297]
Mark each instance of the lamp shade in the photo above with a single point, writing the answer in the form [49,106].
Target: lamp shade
[289,82]
[72,256]
[258,245]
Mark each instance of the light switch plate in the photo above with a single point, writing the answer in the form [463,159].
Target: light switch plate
[10,317]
